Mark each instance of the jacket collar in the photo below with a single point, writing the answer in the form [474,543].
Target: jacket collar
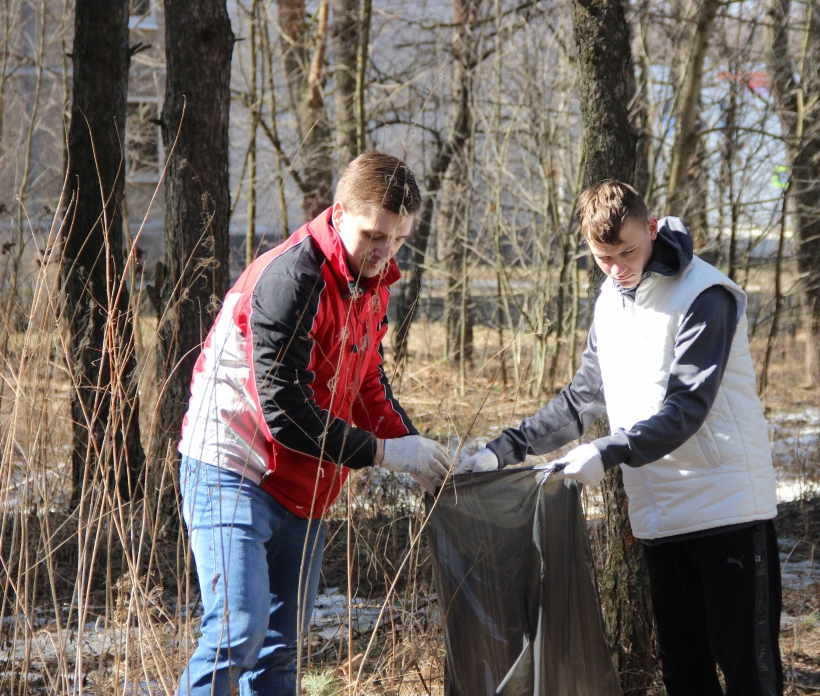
[325,235]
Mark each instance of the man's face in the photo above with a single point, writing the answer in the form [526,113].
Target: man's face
[624,262]
[370,240]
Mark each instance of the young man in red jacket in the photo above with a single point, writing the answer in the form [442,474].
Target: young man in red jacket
[288,394]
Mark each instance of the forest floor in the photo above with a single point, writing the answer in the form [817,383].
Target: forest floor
[397,646]
[798,528]
[794,415]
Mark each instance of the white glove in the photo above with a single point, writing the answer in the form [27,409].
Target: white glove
[583,464]
[483,460]
[417,455]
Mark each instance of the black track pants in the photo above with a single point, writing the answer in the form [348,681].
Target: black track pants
[717,600]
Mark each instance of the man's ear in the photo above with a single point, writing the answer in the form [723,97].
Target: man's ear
[653,228]
[336,213]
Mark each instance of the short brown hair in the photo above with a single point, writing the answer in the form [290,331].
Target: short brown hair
[604,207]
[378,181]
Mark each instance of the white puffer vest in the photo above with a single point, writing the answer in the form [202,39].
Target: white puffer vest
[723,474]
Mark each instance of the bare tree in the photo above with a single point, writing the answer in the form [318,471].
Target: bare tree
[194,276]
[455,210]
[365,18]
[104,405]
[640,117]
[796,84]
[687,137]
[304,58]
[454,220]
[346,40]
[727,174]
[255,103]
[602,39]
[465,59]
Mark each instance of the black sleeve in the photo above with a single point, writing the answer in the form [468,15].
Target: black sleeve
[284,307]
[562,420]
[702,347]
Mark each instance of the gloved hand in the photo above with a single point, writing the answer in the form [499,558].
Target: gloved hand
[417,455]
[483,460]
[583,464]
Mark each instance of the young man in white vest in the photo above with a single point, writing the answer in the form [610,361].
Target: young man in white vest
[668,361]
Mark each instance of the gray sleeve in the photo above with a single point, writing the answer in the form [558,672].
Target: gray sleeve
[702,347]
[562,420]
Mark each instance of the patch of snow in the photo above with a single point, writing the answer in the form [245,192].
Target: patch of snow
[810,416]
[797,572]
[800,576]
[332,616]
[791,488]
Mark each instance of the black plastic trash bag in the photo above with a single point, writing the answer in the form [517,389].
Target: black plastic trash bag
[516,588]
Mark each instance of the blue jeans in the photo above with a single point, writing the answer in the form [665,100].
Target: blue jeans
[249,553]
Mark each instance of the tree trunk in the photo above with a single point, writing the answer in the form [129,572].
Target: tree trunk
[454,224]
[304,58]
[625,589]
[270,59]
[104,406]
[774,328]
[465,59]
[195,275]
[686,140]
[255,101]
[365,17]
[640,117]
[796,98]
[726,188]
[345,49]
[455,208]
[602,38]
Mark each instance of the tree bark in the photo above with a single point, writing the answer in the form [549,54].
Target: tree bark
[602,38]
[774,328]
[195,274]
[686,139]
[796,97]
[345,43]
[365,17]
[255,101]
[638,86]
[104,405]
[726,188]
[454,224]
[304,58]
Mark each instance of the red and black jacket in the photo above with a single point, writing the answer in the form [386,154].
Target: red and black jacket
[289,389]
